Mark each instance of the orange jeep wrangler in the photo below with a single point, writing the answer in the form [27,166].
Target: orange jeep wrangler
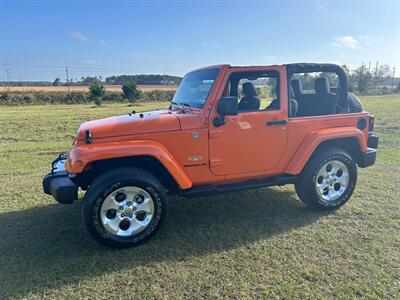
[227,129]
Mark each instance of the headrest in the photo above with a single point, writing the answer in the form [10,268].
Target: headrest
[322,86]
[297,87]
[249,89]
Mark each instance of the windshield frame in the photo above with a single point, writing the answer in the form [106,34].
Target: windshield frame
[185,104]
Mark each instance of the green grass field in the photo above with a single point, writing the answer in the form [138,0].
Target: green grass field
[253,244]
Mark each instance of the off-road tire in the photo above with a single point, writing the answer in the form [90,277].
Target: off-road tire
[306,187]
[110,181]
[355,104]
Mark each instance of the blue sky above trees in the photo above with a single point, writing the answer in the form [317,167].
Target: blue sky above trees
[39,38]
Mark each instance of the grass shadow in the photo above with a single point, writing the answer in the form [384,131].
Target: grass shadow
[48,247]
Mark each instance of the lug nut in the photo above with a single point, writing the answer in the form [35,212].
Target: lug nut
[122,215]
[129,203]
[121,208]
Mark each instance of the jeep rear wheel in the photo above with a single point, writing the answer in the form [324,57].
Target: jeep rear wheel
[124,207]
[328,180]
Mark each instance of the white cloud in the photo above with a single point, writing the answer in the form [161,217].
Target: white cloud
[319,4]
[345,42]
[88,61]
[352,42]
[78,36]
[103,43]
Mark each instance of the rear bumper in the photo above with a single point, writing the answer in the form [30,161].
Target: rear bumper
[58,184]
[368,158]
[373,141]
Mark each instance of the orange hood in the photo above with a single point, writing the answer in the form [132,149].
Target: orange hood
[138,123]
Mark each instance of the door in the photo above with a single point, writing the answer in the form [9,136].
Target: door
[255,139]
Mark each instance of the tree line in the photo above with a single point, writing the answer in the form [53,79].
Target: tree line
[143,79]
[123,79]
[362,81]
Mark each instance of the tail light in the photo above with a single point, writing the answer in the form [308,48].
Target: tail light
[371,123]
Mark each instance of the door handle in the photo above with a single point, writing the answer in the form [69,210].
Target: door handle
[276,122]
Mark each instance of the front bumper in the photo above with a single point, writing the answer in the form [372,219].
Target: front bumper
[58,184]
[368,158]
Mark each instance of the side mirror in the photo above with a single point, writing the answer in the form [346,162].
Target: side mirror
[227,106]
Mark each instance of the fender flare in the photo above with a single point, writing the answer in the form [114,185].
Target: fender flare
[80,157]
[315,138]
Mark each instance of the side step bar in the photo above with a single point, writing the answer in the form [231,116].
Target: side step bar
[209,189]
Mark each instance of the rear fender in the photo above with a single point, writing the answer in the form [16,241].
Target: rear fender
[314,139]
[81,157]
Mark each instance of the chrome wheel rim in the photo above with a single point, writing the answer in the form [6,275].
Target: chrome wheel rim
[332,181]
[127,211]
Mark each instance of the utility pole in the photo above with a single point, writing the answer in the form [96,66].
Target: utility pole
[394,72]
[8,74]
[369,67]
[376,74]
[66,71]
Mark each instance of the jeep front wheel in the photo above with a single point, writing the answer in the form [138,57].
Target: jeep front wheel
[328,180]
[124,207]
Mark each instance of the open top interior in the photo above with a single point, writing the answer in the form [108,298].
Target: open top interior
[314,90]
[317,89]
[255,90]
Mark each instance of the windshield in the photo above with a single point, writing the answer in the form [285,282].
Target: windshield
[195,87]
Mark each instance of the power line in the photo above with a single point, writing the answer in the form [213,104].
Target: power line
[89,68]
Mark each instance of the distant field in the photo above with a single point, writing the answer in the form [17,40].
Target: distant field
[110,88]
[257,244]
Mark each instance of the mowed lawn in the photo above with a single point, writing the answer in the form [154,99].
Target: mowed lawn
[253,244]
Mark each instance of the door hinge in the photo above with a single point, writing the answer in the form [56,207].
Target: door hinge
[214,133]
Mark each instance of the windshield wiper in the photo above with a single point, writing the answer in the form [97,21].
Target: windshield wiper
[180,105]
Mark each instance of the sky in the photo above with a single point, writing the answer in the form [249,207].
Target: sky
[39,38]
